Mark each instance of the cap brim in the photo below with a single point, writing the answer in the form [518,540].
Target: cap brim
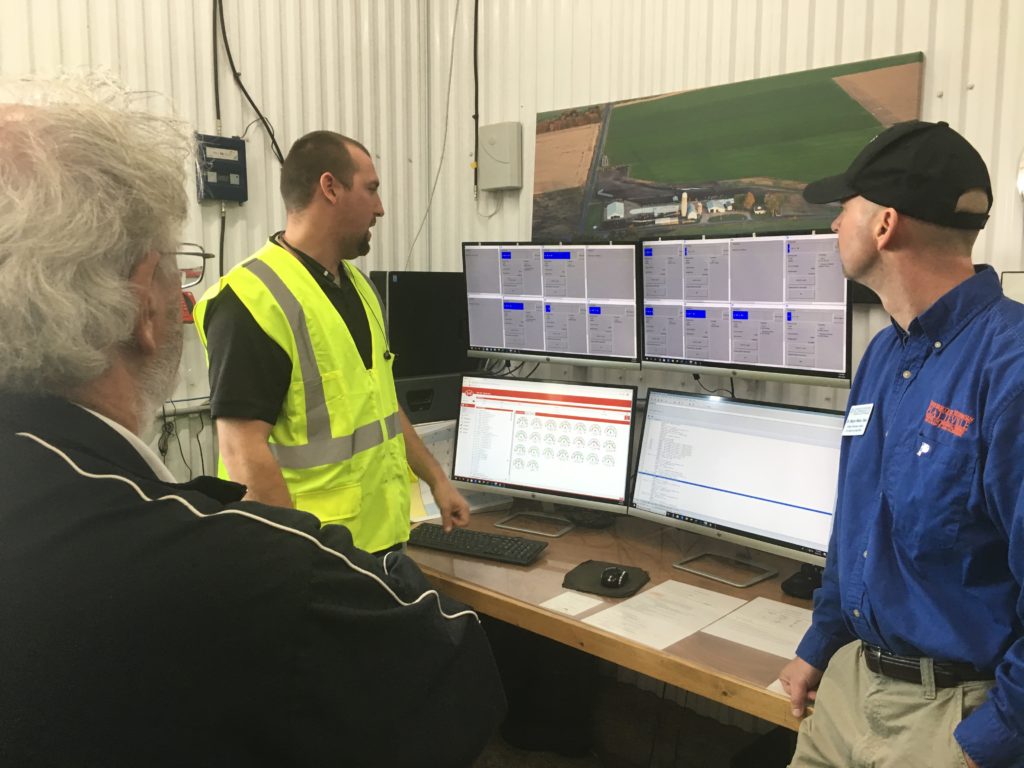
[829,190]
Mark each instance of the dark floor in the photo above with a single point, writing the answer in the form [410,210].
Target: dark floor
[637,729]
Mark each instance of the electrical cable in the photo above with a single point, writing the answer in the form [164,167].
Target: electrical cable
[532,371]
[444,137]
[476,103]
[696,378]
[219,8]
[199,443]
[250,124]
[165,434]
[220,251]
[177,438]
[495,365]
[216,68]
[492,213]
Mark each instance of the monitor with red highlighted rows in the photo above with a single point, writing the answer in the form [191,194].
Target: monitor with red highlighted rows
[550,441]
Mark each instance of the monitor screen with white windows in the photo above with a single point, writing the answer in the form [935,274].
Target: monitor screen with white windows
[563,303]
[551,441]
[770,307]
[1013,285]
[756,474]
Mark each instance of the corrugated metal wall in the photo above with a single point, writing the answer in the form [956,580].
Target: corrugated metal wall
[379,70]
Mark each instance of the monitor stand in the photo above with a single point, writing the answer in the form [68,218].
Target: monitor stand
[545,522]
[728,570]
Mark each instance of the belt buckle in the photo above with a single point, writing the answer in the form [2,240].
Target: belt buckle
[872,654]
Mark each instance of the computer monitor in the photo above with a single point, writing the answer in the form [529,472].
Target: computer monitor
[426,322]
[760,475]
[553,303]
[771,307]
[554,442]
[1013,285]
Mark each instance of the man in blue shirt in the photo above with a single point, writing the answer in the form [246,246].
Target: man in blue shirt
[919,617]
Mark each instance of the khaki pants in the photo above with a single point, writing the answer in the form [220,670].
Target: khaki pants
[865,720]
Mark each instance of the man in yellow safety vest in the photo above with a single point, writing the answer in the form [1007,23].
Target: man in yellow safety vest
[300,370]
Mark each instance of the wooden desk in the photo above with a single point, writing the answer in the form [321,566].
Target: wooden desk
[723,671]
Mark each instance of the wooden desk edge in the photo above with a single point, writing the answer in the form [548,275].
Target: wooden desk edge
[718,686]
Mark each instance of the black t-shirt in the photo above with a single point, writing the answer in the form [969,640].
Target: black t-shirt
[249,371]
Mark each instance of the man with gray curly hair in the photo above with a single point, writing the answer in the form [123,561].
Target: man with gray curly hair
[145,621]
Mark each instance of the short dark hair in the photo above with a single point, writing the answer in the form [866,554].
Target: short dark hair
[309,158]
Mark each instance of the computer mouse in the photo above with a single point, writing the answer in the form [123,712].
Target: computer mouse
[613,576]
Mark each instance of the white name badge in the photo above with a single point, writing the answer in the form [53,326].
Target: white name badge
[857,419]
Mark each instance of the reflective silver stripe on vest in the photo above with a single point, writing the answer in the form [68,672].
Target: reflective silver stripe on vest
[336,449]
[322,448]
[318,420]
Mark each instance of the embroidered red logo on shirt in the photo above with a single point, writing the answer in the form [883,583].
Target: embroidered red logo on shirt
[948,419]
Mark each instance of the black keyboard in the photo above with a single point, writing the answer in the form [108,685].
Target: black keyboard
[491,546]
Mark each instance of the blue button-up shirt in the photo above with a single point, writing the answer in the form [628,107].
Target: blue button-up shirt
[927,549]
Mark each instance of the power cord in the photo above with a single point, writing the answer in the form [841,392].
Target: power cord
[218,10]
[199,444]
[532,371]
[730,392]
[168,430]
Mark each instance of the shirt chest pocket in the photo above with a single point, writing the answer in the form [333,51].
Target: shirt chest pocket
[929,487]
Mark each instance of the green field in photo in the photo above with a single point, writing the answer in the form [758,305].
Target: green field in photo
[796,127]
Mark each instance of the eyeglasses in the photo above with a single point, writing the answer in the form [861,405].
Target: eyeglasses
[191,260]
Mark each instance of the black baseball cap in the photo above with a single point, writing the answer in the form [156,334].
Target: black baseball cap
[920,169]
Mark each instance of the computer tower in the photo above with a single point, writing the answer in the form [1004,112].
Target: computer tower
[428,334]
[426,319]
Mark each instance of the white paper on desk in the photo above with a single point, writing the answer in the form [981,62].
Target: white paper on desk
[570,603]
[664,614]
[439,439]
[766,625]
[776,687]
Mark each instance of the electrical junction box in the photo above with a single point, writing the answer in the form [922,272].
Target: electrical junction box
[500,164]
[221,172]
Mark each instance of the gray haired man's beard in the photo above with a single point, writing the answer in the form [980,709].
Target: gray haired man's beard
[158,379]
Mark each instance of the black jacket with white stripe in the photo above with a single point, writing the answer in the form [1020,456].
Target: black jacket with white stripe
[144,623]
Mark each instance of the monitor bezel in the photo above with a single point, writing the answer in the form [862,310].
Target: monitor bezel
[568,358]
[837,379]
[548,495]
[714,530]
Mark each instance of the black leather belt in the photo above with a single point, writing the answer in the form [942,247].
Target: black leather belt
[948,674]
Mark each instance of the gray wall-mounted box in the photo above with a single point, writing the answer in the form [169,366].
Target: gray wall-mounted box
[500,163]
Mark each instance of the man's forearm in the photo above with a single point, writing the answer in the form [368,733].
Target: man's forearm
[257,469]
[261,475]
[422,462]
[246,455]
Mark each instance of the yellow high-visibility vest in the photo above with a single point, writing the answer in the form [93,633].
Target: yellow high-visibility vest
[338,438]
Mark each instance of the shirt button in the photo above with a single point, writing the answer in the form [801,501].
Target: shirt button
[865,554]
[938,345]
[907,374]
[856,613]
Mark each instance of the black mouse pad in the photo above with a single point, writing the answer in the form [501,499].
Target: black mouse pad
[586,577]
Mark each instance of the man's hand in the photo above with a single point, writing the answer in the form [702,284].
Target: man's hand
[800,680]
[454,508]
[967,759]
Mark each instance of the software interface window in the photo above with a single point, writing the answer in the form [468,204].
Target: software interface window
[764,301]
[564,300]
[765,471]
[554,437]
